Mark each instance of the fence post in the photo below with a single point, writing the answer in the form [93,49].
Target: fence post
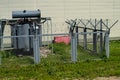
[94,40]
[77,34]
[0,59]
[107,44]
[0,33]
[36,49]
[2,26]
[85,38]
[101,37]
[36,45]
[73,47]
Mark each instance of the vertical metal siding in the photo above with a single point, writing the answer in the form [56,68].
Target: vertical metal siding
[60,10]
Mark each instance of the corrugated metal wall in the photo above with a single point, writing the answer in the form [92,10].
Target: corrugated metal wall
[60,10]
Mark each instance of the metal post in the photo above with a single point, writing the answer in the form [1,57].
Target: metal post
[39,31]
[43,31]
[85,38]
[107,44]
[51,36]
[0,33]
[95,38]
[47,33]
[0,59]
[2,25]
[94,41]
[101,37]
[36,50]
[77,34]
[73,47]
[36,47]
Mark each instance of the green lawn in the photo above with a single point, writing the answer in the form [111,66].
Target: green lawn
[58,66]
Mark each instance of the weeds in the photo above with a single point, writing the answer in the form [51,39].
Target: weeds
[7,54]
[54,67]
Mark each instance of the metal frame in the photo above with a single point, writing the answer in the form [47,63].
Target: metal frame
[35,37]
[36,19]
[75,24]
[73,44]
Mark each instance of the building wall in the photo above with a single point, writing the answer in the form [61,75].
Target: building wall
[61,10]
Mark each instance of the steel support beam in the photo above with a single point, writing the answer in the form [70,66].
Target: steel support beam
[73,47]
[107,44]
[36,50]
[77,34]
[85,39]
[94,41]
[0,59]
[2,26]
[95,37]
[101,37]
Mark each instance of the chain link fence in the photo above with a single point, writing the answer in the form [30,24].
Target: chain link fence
[85,44]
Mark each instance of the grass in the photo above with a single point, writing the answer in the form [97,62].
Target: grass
[57,66]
